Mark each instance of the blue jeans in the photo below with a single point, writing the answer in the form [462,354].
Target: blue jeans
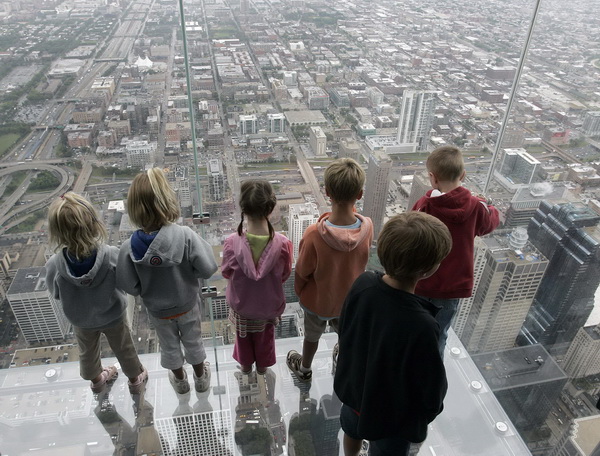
[448,308]
[392,446]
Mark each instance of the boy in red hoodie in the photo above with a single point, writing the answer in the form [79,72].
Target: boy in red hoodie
[332,254]
[466,216]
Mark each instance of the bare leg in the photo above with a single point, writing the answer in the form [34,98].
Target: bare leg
[308,352]
[198,369]
[178,373]
[351,446]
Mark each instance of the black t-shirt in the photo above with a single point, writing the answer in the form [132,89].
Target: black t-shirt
[389,366]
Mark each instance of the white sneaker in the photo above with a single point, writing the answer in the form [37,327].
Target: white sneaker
[181,386]
[203,383]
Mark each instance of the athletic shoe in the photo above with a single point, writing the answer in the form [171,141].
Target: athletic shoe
[137,386]
[108,374]
[203,383]
[294,361]
[181,386]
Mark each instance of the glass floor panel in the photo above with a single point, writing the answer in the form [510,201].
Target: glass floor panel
[50,410]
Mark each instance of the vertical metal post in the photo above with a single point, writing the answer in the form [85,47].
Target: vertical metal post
[513,93]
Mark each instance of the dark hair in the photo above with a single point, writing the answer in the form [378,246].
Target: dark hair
[257,199]
[411,244]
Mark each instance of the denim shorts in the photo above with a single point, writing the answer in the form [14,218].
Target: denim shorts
[392,446]
[314,327]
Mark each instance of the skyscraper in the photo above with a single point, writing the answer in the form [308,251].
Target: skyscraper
[419,187]
[583,357]
[301,216]
[376,192]
[526,381]
[38,314]
[517,168]
[569,236]
[509,278]
[276,122]
[416,118]
[317,140]
[216,180]
[248,124]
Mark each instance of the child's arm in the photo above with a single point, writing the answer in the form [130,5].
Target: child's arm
[488,218]
[127,277]
[305,265]
[228,260]
[202,257]
[51,284]
[288,257]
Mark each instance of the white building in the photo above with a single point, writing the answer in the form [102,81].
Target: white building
[276,122]
[38,314]
[317,140]
[248,125]
[376,191]
[583,357]
[216,180]
[416,118]
[140,153]
[301,216]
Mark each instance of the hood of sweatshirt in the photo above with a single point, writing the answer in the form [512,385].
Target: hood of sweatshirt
[344,239]
[94,276]
[268,259]
[166,250]
[456,206]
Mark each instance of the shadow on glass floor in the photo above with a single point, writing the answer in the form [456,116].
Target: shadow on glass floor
[270,414]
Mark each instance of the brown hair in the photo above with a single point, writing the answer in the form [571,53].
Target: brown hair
[151,202]
[412,244]
[344,180]
[73,223]
[257,199]
[446,163]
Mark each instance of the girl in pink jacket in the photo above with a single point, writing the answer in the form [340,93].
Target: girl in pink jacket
[256,261]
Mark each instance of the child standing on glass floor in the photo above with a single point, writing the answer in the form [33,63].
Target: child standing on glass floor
[162,262]
[82,276]
[256,261]
[466,216]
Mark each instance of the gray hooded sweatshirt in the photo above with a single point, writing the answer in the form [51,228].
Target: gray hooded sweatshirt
[167,276]
[91,301]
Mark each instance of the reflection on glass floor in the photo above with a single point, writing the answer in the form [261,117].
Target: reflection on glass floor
[55,412]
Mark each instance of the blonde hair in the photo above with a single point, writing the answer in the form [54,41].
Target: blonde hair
[151,202]
[446,163]
[257,199]
[412,244]
[73,223]
[344,180]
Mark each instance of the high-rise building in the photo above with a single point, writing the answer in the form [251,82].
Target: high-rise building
[39,315]
[583,357]
[591,123]
[580,439]
[526,381]
[517,168]
[326,426]
[301,216]
[316,98]
[510,276]
[216,180]
[376,192]
[416,119]
[317,140]
[420,186]
[349,149]
[276,122]
[568,235]
[248,125]
[140,153]
[527,199]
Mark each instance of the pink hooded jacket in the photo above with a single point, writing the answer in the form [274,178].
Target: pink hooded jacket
[256,291]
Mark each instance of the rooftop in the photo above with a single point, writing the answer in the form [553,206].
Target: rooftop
[28,280]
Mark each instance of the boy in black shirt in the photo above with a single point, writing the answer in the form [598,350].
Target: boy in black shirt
[390,375]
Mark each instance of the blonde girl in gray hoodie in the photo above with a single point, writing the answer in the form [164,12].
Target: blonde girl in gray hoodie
[81,274]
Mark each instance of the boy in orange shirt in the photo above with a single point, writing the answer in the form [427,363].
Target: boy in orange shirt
[332,254]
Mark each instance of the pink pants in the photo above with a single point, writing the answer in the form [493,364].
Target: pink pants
[256,347]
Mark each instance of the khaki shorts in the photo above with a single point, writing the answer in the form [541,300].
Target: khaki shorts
[314,327]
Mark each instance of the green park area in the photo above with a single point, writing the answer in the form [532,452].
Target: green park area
[7,141]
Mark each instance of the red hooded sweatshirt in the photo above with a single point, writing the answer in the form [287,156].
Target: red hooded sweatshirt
[329,260]
[466,216]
